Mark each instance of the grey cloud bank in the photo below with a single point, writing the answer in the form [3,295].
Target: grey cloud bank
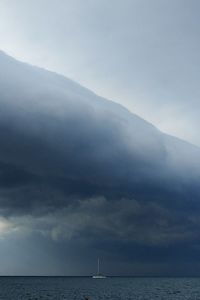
[144,54]
[81,172]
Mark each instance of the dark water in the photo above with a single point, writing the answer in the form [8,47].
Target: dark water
[49,288]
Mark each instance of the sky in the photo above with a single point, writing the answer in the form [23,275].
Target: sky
[142,54]
[81,176]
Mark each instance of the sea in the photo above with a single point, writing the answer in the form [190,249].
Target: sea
[86,288]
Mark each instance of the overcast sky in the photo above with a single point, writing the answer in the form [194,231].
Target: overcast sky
[82,177]
[143,54]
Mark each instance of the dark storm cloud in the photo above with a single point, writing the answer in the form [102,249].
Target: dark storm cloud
[59,136]
[74,166]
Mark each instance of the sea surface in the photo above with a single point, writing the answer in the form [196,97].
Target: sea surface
[82,288]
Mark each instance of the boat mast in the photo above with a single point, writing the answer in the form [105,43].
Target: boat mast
[98,267]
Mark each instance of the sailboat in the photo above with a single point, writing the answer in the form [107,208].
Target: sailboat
[99,275]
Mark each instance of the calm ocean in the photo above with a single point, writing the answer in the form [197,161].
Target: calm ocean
[80,288]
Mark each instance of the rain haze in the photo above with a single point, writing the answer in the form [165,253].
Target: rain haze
[100,149]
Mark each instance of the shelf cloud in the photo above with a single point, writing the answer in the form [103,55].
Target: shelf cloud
[77,168]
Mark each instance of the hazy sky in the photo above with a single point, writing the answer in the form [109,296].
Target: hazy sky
[143,54]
